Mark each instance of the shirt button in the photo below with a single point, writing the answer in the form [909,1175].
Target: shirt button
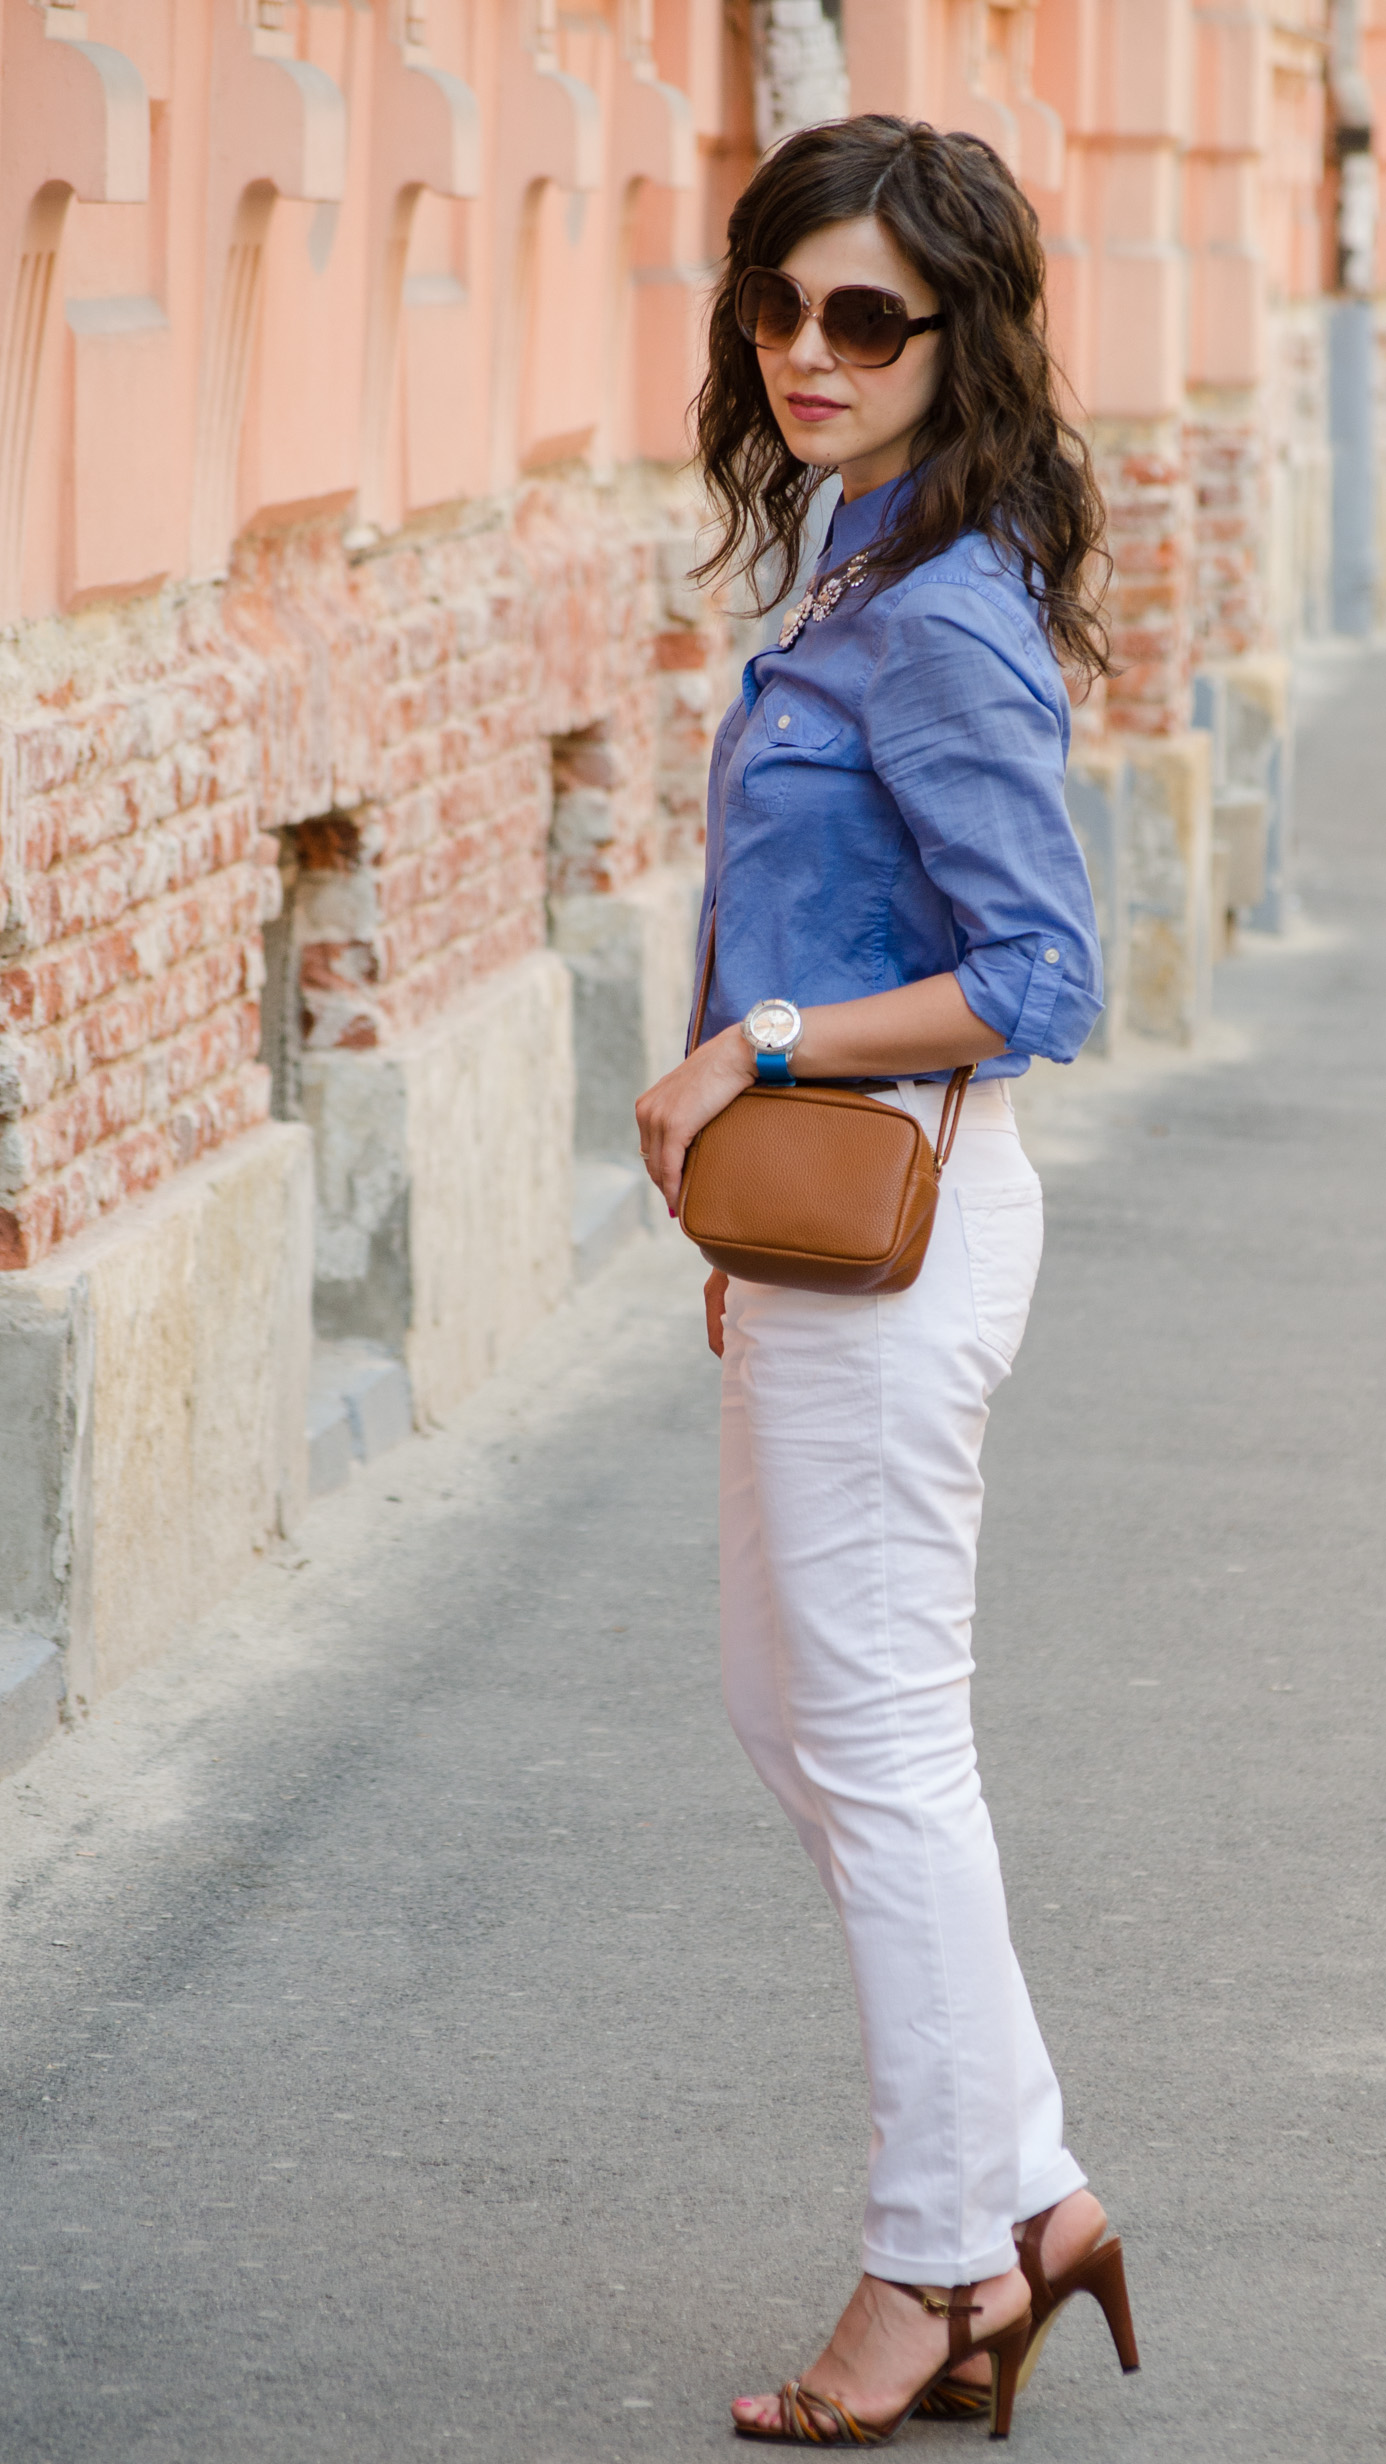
[784,722]
[1051,958]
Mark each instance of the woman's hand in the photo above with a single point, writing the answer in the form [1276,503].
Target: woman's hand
[914,1027]
[715,1303]
[672,1111]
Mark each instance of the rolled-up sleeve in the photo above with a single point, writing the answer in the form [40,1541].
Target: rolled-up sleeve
[972,747]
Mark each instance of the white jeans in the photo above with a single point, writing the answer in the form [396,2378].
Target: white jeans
[851,1501]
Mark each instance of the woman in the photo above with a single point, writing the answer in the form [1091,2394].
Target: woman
[897,892]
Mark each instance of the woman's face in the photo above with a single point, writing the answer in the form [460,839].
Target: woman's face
[859,421]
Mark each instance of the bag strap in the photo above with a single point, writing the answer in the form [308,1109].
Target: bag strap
[949,1117]
[951,1114]
[700,1013]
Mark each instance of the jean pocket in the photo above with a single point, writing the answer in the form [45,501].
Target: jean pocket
[1004,1232]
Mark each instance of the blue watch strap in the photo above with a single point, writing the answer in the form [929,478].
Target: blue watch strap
[772,1069]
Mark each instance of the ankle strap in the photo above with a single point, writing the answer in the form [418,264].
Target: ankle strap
[957,2310]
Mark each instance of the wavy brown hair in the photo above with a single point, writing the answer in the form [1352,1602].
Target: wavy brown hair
[993,452]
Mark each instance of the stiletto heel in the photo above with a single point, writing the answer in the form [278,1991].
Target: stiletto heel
[1102,2273]
[1007,2360]
[1104,2276]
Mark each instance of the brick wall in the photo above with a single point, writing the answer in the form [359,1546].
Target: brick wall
[1225,450]
[1143,475]
[138,878]
[399,710]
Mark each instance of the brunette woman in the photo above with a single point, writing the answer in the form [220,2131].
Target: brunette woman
[897,892]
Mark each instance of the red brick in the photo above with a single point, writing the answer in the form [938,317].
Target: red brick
[48,754]
[111,1101]
[686,648]
[407,766]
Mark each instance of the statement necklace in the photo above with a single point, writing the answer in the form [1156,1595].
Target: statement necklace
[818,602]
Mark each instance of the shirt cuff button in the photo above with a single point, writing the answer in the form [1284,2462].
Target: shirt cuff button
[1051,958]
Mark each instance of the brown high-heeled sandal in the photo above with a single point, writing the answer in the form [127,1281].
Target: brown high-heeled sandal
[1007,2348]
[1101,2271]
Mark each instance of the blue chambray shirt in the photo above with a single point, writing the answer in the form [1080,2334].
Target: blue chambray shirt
[886,803]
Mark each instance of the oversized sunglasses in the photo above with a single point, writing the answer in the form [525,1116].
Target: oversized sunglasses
[862,327]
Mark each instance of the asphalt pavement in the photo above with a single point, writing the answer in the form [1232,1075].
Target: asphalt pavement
[421,2037]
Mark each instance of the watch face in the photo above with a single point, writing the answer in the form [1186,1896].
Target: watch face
[774,1025]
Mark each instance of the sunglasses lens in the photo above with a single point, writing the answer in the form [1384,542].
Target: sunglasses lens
[865,328]
[768,309]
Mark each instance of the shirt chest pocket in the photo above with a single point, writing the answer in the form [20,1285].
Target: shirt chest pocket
[787,730]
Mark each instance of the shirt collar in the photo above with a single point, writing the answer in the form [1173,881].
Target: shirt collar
[860,524]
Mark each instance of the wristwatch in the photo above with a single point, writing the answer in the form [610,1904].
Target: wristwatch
[772,1029]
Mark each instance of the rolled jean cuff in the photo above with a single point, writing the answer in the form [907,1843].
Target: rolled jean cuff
[1046,2189]
[895,2270]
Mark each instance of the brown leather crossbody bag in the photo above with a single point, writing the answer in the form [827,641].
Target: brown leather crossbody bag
[818,1187]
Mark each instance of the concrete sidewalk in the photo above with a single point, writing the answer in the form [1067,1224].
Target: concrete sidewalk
[423,2039]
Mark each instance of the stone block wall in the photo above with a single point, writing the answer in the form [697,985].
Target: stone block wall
[152,1408]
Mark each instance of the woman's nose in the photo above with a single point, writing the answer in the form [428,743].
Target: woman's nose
[809,349]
